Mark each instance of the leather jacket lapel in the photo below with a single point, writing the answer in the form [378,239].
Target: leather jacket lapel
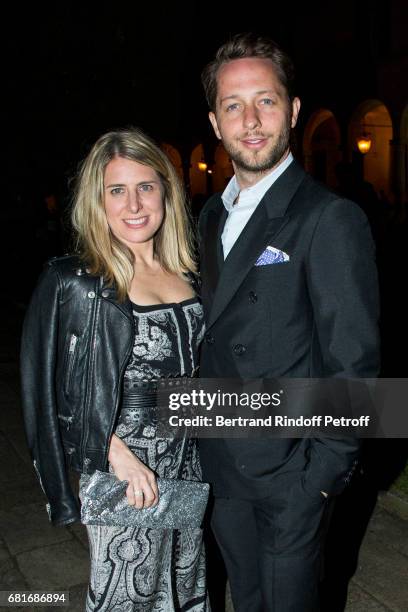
[108,292]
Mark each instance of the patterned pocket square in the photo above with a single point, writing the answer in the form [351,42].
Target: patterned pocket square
[272,256]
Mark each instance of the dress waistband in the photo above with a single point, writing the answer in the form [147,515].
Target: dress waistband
[139,399]
[141,386]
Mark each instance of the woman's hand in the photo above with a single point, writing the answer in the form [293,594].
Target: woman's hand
[142,491]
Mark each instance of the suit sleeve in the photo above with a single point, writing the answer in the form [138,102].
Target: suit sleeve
[200,226]
[343,286]
[39,351]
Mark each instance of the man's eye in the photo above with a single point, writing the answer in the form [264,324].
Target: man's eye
[267,101]
[232,107]
[146,187]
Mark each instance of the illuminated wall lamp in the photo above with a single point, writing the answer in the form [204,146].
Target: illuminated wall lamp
[364,143]
[202,166]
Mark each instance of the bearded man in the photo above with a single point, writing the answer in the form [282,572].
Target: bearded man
[289,290]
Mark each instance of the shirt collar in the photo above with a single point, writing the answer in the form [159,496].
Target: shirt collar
[256,192]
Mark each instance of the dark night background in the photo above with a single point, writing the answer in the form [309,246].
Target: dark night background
[72,71]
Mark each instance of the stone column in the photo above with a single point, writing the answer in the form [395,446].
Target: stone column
[399,170]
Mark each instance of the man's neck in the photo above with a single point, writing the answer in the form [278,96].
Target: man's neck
[247,179]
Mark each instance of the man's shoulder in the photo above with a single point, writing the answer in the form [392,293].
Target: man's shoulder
[321,198]
[213,203]
[317,191]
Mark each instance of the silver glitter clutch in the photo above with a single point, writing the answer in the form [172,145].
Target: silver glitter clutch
[181,503]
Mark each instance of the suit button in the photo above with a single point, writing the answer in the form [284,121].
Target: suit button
[105,293]
[239,349]
[253,297]
[209,338]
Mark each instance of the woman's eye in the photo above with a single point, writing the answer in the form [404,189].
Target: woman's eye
[116,190]
[146,187]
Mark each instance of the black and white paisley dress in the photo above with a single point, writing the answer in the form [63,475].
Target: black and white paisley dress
[148,570]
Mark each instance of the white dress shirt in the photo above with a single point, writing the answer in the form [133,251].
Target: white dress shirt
[249,198]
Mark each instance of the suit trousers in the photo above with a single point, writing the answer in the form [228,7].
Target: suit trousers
[272,548]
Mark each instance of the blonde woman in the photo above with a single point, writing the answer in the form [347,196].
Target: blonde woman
[102,326]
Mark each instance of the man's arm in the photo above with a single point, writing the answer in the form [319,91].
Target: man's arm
[343,286]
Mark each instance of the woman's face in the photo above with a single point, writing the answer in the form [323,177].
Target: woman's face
[133,201]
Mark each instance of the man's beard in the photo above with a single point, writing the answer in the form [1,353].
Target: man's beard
[261,165]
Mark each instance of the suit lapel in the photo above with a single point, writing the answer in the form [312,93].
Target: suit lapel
[257,234]
[220,251]
[269,218]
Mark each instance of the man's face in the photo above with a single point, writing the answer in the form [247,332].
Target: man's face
[253,115]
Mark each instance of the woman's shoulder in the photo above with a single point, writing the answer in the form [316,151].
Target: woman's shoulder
[68,265]
[69,269]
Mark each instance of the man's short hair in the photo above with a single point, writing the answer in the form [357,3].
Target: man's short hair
[248,45]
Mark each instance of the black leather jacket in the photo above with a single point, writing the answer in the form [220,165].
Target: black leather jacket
[77,340]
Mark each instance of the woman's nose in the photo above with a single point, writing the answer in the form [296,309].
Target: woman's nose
[134,202]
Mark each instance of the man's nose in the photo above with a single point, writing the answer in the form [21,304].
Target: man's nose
[251,117]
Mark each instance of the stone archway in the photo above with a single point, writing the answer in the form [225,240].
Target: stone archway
[321,146]
[222,169]
[174,157]
[373,118]
[198,179]
[403,166]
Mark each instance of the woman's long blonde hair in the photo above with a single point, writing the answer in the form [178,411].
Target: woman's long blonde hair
[103,253]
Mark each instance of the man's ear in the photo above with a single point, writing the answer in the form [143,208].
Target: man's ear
[213,121]
[295,111]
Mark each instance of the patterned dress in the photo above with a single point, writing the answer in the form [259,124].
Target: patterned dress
[151,570]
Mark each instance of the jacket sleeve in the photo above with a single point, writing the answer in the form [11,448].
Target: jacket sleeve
[342,279]
[39,350]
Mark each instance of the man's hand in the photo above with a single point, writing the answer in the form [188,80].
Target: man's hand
[142,491]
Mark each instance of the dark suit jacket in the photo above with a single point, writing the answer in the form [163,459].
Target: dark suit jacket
[313,316]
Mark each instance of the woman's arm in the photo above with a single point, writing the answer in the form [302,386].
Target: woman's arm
[142,491]
[39,350]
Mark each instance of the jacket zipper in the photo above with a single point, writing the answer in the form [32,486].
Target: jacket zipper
[47,505]
[71,359]
[89,370]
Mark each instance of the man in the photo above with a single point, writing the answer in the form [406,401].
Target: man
[289,290]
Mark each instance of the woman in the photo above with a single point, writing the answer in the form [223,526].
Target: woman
[100,326]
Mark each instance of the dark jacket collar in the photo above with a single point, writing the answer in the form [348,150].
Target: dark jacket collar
[268,219]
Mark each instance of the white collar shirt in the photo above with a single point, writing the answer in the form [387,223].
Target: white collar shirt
[249,198]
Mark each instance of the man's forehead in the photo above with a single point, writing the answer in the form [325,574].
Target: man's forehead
[257,74]
[246,64]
